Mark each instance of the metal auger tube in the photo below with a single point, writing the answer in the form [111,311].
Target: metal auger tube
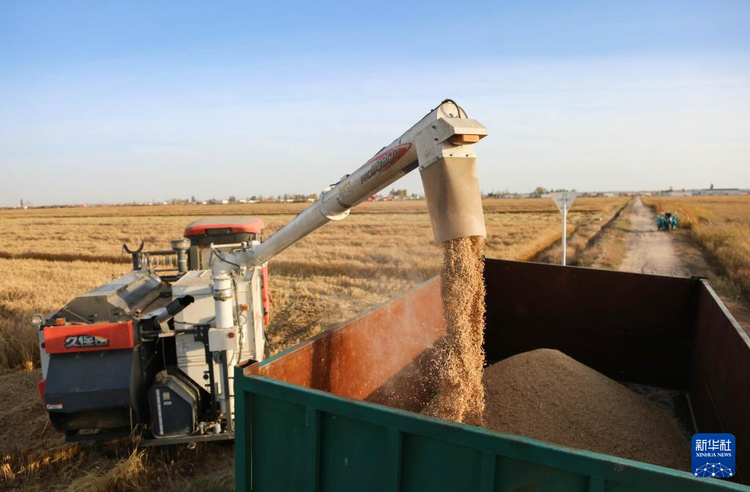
[444,137]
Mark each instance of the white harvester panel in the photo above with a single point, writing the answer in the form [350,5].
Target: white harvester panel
[191,354]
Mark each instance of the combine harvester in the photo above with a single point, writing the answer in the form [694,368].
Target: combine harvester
[155,353]
[153,350]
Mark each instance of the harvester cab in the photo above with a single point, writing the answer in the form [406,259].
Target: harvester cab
[219,230]
[151,352]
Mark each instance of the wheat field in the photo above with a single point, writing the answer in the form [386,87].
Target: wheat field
[49,256]
[384,248]
[721,226]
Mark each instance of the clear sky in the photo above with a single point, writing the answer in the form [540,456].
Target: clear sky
[138,100]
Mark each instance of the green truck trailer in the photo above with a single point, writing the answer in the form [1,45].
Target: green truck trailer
[339,412]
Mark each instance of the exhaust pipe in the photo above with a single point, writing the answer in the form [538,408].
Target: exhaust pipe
[180,247]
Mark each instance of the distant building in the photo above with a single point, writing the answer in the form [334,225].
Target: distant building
[719,191]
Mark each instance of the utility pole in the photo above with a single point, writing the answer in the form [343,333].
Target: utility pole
[565,233]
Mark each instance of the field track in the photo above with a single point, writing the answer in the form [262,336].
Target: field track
[650,250]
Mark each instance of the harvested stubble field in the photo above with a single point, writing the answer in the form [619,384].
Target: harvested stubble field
[721,226]
[49,256]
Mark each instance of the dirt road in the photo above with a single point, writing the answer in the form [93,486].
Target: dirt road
[651,250]
[671,253]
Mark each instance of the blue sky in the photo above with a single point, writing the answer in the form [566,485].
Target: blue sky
[120,101]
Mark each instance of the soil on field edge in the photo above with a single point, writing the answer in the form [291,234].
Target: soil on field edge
[34,457]
[581,237]
[22,418]
[607,249]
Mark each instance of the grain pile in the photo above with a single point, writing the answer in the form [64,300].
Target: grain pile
[460,394]
[543,394]
[546,395]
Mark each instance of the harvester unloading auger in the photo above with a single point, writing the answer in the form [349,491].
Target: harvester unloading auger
[151,351]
